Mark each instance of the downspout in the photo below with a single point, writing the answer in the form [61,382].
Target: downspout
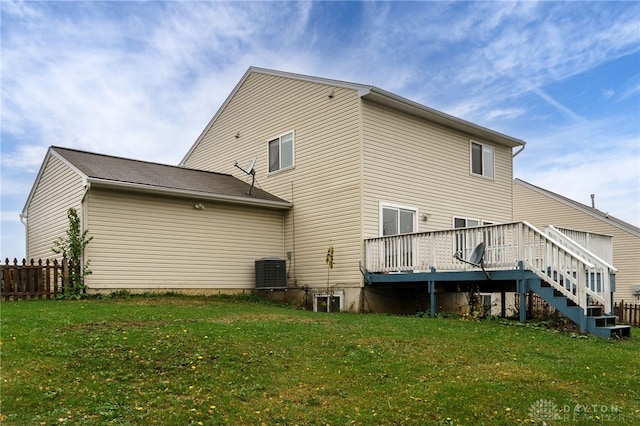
[87,187]
[512,157]
[26,233]
[83,218]
[520,150]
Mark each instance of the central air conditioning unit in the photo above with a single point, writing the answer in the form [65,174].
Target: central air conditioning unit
[271,274]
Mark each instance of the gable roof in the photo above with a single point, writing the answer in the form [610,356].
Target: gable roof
[101,170]
[380,96]
[598,214]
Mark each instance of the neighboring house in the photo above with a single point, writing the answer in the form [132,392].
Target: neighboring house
[154,227]
[541,207]
[394,188]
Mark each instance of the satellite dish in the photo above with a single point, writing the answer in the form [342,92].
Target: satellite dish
[476,259]
[477,255]
[249,170]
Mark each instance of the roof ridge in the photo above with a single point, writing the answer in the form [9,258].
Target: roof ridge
[135,160]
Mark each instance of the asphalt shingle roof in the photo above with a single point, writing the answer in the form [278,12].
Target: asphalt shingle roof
[161,176]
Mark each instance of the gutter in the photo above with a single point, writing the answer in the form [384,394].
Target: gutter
[183,193]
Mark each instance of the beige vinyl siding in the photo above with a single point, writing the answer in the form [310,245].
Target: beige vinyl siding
[150,242]
[541,210]
[411,162]
[324,186]
[58,189]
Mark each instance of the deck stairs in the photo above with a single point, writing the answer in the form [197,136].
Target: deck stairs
[592,320]
[579,284]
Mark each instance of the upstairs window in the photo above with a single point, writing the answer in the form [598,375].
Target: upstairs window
[281,152]
[482,160]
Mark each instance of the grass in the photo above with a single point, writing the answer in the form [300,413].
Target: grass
[219,360]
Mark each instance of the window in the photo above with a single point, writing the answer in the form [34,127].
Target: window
[459,222]
[398,252]
[397,220]
[465,242]
[327,303]
[281,152]
[487,301]
[482,157]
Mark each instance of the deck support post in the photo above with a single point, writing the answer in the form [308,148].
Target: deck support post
[522,287]
[432,296]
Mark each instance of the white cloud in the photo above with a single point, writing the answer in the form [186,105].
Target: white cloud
[505,113]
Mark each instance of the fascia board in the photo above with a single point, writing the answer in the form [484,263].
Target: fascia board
[137,187]
[405,105]
[51,152]
[311,79]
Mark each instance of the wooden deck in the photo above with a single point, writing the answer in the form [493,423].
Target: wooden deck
[517,257]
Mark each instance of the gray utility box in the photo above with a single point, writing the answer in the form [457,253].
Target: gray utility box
[271,274]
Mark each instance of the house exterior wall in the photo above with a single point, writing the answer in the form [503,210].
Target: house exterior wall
[147,242]
[58,189]
[325,184]
[541,210]
[413,163]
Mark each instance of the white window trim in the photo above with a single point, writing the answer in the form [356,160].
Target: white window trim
[383,204]
[338,294]
[493,163]
[453,221]
[293,152]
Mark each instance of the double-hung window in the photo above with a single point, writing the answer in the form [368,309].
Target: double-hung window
[482,160]
[281,152]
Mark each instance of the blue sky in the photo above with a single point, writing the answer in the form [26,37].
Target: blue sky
[142,79]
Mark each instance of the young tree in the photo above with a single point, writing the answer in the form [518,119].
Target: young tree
[71,247]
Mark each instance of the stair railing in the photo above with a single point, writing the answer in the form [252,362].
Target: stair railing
[554,263]
[598,277]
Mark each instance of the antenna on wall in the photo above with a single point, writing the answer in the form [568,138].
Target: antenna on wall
[249,170]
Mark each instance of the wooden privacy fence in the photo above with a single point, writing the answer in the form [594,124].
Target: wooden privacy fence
[34,279]
[627,313]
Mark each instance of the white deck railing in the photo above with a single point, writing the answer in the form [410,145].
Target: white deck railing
[598,244]
[599,275]
[572,272]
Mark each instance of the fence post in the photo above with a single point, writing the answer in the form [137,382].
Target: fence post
[46,276]
[7,279]
[55,275]
[65,274]
[40,280]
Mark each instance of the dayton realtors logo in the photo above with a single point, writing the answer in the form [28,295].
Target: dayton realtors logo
[546,412]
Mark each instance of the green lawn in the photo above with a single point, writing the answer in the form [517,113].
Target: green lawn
[216,360]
